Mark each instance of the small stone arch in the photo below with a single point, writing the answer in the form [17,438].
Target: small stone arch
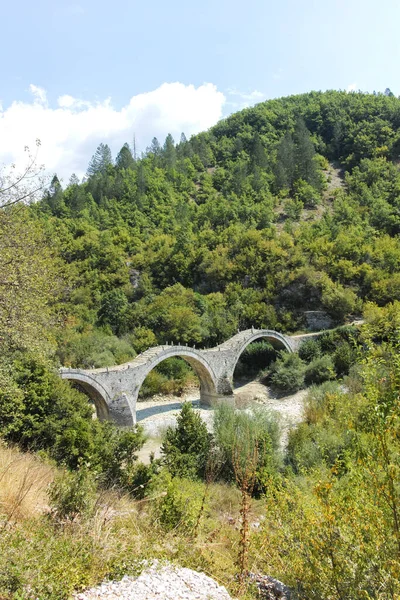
[277,340]
[208,383]
[93,389]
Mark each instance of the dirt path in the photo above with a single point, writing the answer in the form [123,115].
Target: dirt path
[160,412]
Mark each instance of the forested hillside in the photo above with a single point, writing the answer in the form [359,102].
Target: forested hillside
[246,224]
[290,206]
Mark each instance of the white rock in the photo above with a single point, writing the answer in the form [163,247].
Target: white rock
[159,581]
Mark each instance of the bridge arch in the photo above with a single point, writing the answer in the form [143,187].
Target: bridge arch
[202,368]
[95,391]
[243,339]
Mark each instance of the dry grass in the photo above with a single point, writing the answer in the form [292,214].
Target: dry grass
[23,483]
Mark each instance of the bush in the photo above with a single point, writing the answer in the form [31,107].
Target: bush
[186,447]
[141,477]
[288,372]
[315,405]
[339,301]
[343,358]
[179,507]
[306,193]
[293,208]
[238,432]
[328,342]
[73,494]
[95,348]
[319,370]
[318,440]
[309,350]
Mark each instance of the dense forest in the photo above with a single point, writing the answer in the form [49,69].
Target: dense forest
[246,224]
[287,207]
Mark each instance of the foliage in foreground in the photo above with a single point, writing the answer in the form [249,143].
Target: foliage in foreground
[39,411]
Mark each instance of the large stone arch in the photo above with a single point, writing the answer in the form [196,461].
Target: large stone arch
[202,368]
[93,389]
[238,344]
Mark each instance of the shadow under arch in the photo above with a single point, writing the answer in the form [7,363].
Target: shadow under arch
[208,387]
[94,393]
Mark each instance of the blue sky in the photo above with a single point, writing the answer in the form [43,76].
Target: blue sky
[98,56]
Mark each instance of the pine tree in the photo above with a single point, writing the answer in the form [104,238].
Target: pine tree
[100,160]
[306,167]
[258,154]
[184,148]
[186,446]
[169,152]
[134,152]
[55,186]
[154,147]
[124,158]
[73,180]
[285,163]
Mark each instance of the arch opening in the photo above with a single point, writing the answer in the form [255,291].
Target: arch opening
[255,356]
[94,396]
[175,364]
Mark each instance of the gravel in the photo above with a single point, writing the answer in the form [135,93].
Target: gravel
[159,581]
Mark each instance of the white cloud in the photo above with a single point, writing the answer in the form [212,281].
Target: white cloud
[71,132]
[352,87]
[239,100]
[39,94]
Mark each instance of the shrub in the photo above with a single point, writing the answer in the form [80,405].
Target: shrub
[318,440]
[309,350]
[186,447]
[180,505]
[293,208]
[73,494]
[288,372]
[94,348]
[339,301]
[141,477]
[319,370]
[302,452]
[306,193]
[315,405]
[238,432]
[343,358]
[328,342]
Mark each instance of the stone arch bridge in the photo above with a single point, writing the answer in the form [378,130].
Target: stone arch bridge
[114,390]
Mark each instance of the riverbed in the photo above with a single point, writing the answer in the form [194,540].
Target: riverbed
[160,412]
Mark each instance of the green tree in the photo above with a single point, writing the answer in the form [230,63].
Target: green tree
[113,310]
[285,169]
[124,158]
[30,281]
[185,448]
[306,165]
[288,372]
[99,162]
[169,153]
